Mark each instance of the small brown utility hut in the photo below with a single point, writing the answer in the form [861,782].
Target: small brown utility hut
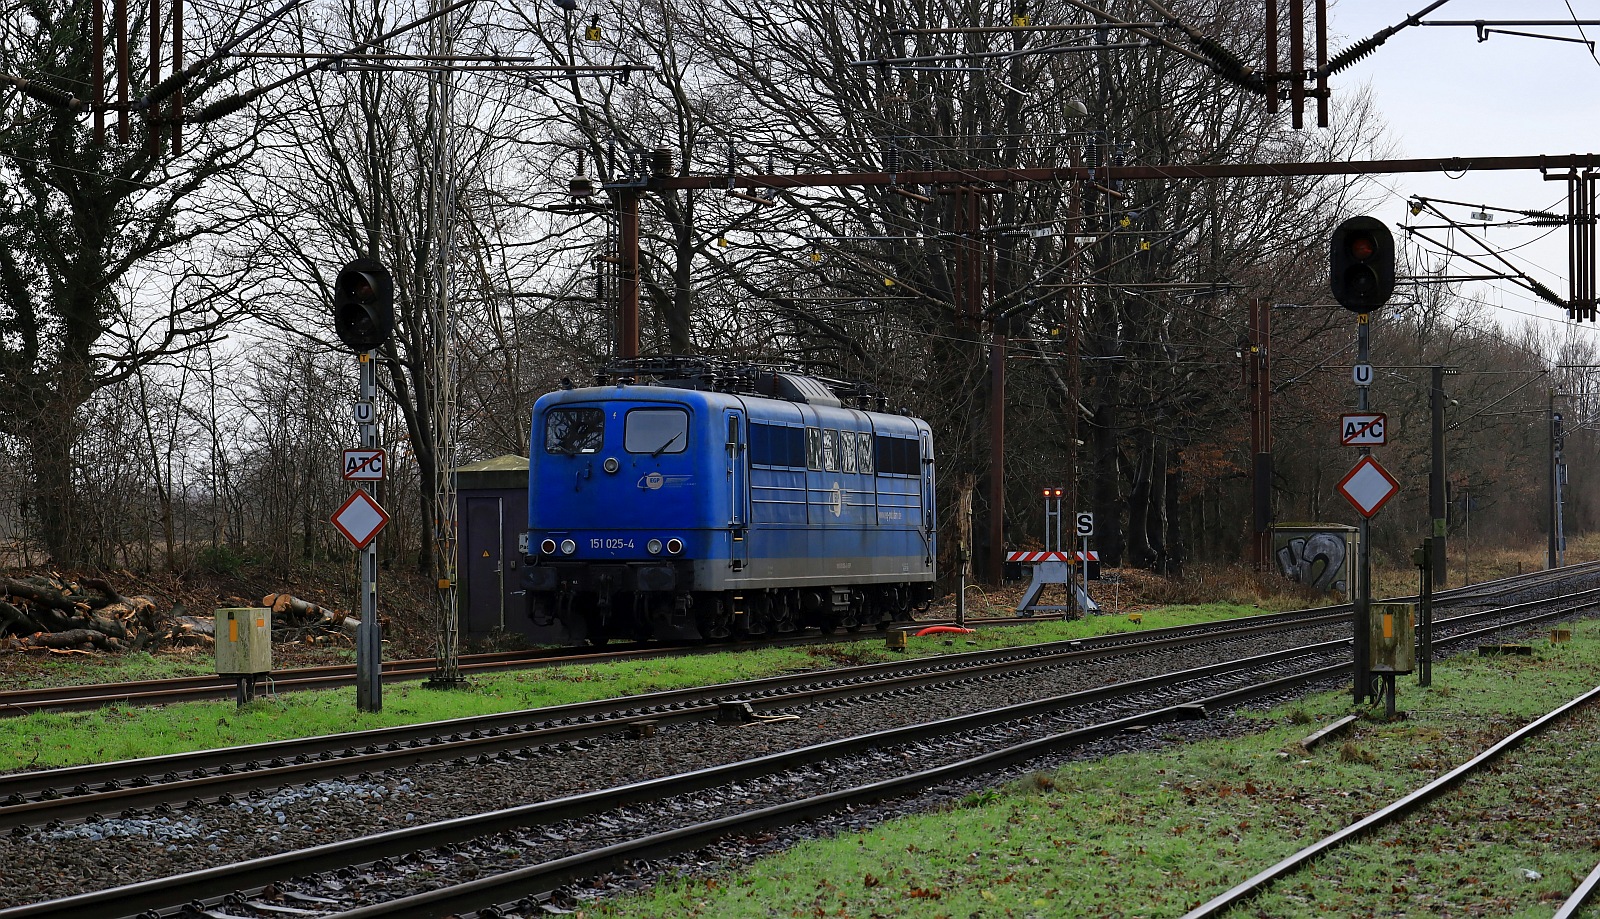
[492,507]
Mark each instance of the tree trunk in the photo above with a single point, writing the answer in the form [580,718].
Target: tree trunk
[55,497]
[1156,508]
[1106,487]
[1139,550]
[1175,549]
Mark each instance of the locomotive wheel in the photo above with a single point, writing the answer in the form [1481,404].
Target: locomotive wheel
[716,617]
[781,610]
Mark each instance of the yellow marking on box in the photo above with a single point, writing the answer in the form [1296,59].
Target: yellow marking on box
[1388,625]
[233,629]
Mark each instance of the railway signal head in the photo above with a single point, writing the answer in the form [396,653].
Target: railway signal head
[363,305]
[1362,264]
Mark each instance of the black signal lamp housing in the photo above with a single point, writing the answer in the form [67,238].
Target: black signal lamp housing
[1361,265]
[363,305]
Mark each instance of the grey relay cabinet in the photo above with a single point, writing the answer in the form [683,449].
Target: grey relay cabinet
[244,646]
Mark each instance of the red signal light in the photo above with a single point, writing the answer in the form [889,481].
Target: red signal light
[1361,247]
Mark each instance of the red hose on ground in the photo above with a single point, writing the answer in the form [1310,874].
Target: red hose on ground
[936,629]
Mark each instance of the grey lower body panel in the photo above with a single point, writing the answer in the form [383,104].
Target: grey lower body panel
[761,573]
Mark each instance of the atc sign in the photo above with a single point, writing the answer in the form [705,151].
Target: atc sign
[1363,430]
[363,465]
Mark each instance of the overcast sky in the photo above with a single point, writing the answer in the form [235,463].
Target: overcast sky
[1444,93]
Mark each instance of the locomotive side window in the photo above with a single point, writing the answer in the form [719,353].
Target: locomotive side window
[655,431]
[794,445]
[777,445]
[847,451]
[830,450]
[864,453]
[574,430]
[814,449]
[899,456]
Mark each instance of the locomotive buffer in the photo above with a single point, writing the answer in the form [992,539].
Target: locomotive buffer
[1054,565]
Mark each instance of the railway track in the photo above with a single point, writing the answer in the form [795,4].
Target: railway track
[90,791]
[181,689]
[124,788]
[1025,730]
[15,703]
[331,676]
[1411,806]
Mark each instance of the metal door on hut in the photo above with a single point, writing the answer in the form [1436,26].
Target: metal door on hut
[485,556]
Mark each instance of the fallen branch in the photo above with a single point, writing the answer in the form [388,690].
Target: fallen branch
[15,620]
[75,638]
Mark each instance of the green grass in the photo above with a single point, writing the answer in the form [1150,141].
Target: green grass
[1155,834]
[40,741]
[80,669]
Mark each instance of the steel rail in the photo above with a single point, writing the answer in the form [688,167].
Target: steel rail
[26,782]
[1401,808]
[331,676]
[219,881]
[489,891]
[151,692]
[497,890]
[1581,896]
[214,775]
[215,883]
[125,784]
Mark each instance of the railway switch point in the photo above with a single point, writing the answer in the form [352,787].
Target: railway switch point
[1322,735]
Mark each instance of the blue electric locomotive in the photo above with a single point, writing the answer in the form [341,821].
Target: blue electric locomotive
[710,502]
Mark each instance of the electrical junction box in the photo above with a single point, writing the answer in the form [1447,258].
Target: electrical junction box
[244,641]
[1394,638]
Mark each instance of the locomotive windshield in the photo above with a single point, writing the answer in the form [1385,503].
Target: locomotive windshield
[574,430]
[656,431]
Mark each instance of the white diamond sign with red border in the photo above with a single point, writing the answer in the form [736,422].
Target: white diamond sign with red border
[360,519]
[1368,486]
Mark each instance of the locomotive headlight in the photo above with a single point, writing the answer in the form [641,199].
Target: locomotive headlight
[611,465]
[674,546]
[568,547]
[654,546]
[548,547]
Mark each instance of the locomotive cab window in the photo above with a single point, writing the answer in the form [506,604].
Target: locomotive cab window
[656,431]
[864,453]
[847,451]
[574,430]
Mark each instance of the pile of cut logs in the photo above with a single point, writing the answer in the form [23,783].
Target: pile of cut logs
[54,613]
